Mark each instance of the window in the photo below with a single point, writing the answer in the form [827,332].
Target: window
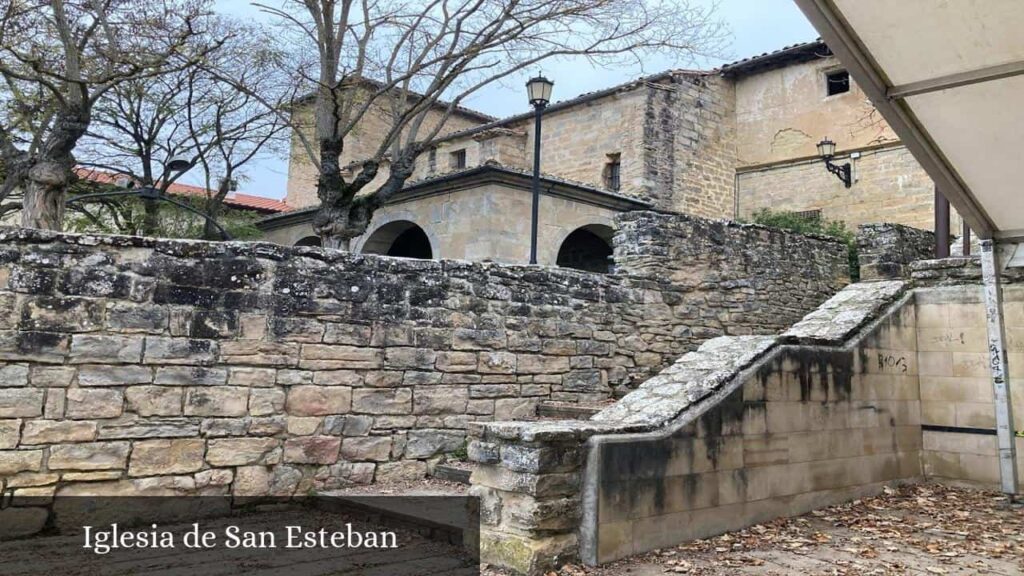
[432,160]
[613,172]
[458,159]
[809,215]
[837,82]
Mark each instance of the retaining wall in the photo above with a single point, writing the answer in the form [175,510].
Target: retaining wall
[133,365]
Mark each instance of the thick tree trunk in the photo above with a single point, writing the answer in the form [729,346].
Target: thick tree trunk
[45,192]
[150,217]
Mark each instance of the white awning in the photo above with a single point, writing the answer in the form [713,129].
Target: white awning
[949,78]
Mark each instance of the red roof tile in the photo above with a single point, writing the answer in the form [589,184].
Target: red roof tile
[233,199]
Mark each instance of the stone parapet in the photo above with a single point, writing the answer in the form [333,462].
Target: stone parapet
[887,250]
[629,479]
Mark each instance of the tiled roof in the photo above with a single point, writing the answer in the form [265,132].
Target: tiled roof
[793,52]
[233,199]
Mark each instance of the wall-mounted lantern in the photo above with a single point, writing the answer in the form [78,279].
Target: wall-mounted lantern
[827,151]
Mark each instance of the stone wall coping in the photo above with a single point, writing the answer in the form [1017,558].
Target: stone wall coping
[735,224]
[845,313]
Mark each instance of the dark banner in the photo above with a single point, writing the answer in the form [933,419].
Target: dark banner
[208,536]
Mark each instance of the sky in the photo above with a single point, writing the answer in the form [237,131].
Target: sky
[756,26]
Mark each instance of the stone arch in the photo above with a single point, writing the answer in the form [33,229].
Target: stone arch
[587,248]
[310,241]
[401,238]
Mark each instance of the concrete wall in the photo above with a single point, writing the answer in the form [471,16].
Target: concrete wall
[809,428]
[956,387]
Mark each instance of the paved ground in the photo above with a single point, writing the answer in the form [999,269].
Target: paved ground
[919,530]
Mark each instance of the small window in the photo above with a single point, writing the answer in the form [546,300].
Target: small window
[613,172]
[458,159]
[432,160]
[837,82]
[809,215]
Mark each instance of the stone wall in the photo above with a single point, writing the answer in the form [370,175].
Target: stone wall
[743,430]
[887,250]
[890,186]
[129,365]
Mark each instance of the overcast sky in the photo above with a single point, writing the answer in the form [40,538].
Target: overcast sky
[757,26]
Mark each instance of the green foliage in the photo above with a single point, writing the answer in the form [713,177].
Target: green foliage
[802,224]
[461,454]
[126,215]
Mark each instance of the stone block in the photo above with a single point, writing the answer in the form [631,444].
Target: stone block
[401,471]
[483,452]
[302,425]
[27,479]
[248,376]
[469,339]
[383,401]
[538,364]
[15,461]
[409,358]
[220,427]
[319,400]
[527,555]
[21,402]
[252,481]
[100,375]
[348,473]
[247,352]
[162,457]
[57,431]
[84,403]
[10,433]
[105,349]
[497,363]
[267,426]
[366,448]
[189,351]
[62,315]
[190,376]
[515,408]
[126,317]
[352,334]
[337,378]
[428,443]
[539,485]
[348,425]
[312,450]
[13,374]
[154,400]
[266,401]
[339,357]
[243,451]
[216,401]
[456,361]
[90,456]
[148,428]
[52,376]
[440,400]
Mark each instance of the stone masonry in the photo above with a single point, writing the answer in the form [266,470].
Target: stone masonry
[144,366]
[887,250]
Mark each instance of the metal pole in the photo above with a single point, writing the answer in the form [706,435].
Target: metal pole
[941,225]
[1005,432]
[967,239]
[536,183]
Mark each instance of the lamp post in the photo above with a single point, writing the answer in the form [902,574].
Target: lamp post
[539,91]
[827,151]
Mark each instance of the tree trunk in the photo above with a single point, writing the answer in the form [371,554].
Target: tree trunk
[45,192]
[151,217]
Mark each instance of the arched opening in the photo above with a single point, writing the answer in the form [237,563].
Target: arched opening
[310,241]
[401,238]
[587,248]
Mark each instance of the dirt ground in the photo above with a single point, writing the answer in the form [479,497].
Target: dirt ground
[925,529]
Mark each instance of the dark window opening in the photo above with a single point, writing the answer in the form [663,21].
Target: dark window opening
[401,238]
[837,82]
[432,160]
[458,159]
[413,243]
[613,172]
[588,248]
[310,241]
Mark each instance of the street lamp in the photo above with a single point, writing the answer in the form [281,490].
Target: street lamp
[174,165]
[539,91]
[827,151]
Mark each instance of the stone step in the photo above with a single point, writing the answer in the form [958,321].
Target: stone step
[566,410]
[452,473]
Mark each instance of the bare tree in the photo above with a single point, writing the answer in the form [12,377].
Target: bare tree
[196,113]
[57,59]
[412,59]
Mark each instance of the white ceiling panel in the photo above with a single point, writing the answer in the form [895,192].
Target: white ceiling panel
[980,130]
[915,40]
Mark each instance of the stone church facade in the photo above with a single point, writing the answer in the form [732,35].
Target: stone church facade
[716,144]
